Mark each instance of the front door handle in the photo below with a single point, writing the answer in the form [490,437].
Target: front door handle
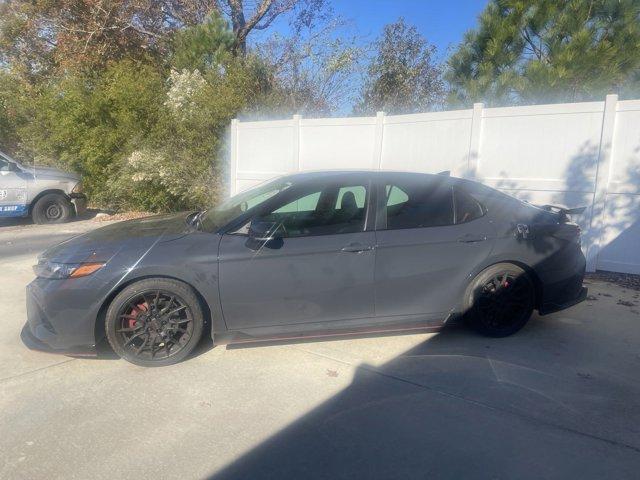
[472,238]
[356,248]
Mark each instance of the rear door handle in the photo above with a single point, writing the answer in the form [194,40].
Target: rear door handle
[356,248]
[472,238]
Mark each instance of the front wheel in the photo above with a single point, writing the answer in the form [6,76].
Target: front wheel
[154,322]
[52,208]
[500,300]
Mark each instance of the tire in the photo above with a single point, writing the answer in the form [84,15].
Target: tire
[52,208]
[154,322]
[500,300]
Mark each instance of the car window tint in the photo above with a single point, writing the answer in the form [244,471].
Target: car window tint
[258,199]
[304,204]
[395,195]
[358,191]
[467,207]
[4,165]
[321,210]
[417,204]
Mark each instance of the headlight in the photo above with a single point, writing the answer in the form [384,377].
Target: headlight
[77,188]
[47,269]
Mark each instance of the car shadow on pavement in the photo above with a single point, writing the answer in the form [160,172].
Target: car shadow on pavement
[463,406]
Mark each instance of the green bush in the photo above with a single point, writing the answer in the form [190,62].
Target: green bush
[144,136]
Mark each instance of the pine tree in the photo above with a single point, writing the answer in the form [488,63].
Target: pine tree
[535,51]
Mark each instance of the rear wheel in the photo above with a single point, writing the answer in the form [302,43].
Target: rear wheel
[52,208]
[154,322]
[500,300]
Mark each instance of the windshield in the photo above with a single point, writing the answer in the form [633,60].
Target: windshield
[7,158]
[222,214]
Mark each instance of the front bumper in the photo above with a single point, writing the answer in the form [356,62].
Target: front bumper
[79,201]
[61,314]
[33,343]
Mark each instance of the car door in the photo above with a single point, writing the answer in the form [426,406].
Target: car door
[13,189]
[430,235]
[319,269]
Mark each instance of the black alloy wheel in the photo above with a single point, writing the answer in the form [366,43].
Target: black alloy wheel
[154,322]
[500,300]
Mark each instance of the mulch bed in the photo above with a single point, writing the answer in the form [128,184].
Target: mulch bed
[626,280]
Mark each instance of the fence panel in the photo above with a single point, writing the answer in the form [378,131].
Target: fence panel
[574,154]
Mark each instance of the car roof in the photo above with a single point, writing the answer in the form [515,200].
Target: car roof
[320,174]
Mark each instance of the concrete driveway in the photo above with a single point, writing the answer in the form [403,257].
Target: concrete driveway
[561,399]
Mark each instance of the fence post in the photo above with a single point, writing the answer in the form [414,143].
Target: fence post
[233,164]
[377,138]
[474,142]
[296,142]
[596,226]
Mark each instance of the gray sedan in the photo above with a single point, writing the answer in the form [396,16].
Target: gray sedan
[311,254]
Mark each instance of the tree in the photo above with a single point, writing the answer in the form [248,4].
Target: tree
[548,51]
[402,77]
[263,13]
[38,37]
[314,67]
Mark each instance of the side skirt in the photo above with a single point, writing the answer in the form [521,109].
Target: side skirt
[366,326]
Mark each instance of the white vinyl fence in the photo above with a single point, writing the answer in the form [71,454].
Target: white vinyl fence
[574,154]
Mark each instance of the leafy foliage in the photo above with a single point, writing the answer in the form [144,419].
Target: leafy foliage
[548,50]
[137,95]
[402,76]
[314,67]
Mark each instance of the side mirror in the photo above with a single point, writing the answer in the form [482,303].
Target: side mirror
[262,231]
[12,167]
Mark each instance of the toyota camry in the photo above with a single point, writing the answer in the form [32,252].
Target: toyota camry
[309,254]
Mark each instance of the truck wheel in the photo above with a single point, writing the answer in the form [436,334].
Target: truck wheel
[52,208]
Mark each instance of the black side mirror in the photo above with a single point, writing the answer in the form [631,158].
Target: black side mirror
[262,231]
[264,234]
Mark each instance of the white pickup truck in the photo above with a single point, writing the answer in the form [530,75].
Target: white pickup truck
[48,195]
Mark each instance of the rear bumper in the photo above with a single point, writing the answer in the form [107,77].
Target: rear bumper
[551,307]
[562,281]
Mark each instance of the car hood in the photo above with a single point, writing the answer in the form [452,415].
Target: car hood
[136,236]
[50,172]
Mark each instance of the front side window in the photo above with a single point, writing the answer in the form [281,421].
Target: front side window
[327,209]
[417,204]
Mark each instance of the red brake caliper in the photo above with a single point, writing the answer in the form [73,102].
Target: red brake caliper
[135,311]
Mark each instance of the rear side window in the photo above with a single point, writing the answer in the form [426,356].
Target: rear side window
[467,208]
[417,204]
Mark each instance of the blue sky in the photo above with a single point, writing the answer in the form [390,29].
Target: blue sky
[443,23]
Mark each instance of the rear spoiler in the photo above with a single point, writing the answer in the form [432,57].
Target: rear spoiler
[564,210]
